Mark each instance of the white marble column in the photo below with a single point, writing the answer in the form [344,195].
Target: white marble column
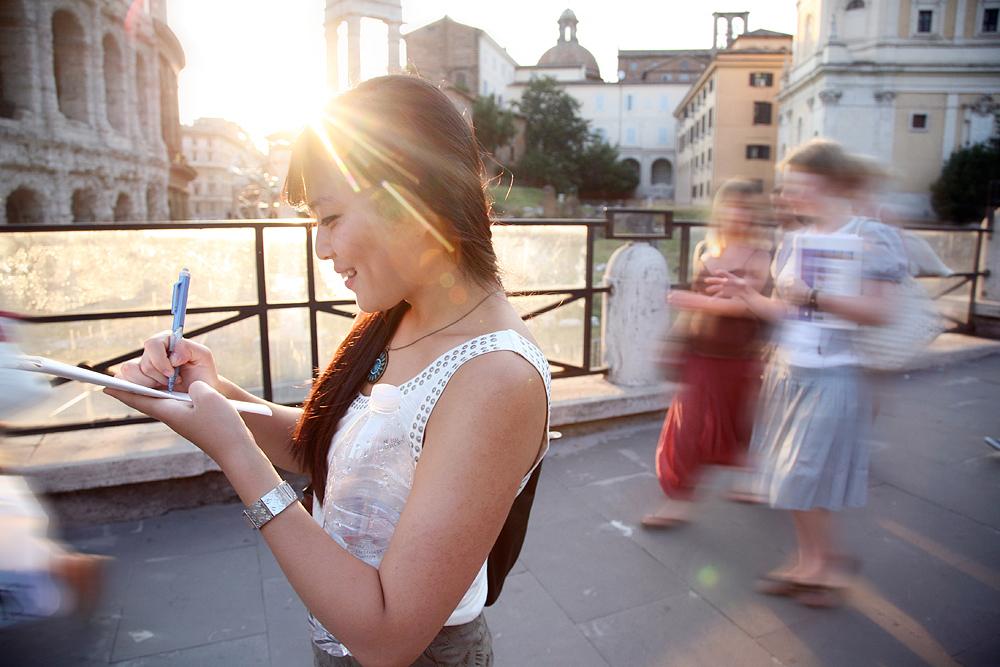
[353,50]
[394,38]
[332,56]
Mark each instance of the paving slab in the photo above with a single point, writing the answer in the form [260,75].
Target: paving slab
[571,560]
[529,628]
[181,602]
[246,652]
[682,630]
[287,629]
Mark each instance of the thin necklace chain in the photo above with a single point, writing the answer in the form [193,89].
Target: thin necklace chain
[481,302]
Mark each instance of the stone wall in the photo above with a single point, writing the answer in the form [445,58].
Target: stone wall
[80,112]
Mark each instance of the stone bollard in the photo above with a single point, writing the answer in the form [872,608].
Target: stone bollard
[635,314]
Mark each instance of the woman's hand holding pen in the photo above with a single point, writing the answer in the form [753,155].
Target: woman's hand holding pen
[193,360]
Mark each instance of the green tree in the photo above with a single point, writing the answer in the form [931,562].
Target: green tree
[555,135]
[602,174]
[959,194]
[560,149]
[494,125]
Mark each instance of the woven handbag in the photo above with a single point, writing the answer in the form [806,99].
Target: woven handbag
[914,325]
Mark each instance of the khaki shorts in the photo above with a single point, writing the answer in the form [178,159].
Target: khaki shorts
[468,645]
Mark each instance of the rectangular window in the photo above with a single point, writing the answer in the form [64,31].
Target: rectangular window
[925,19]
[709,154]
[599,103]
[758,152]
[694,191]
[666,77]
[990,18]
[761,113]
[761,79]
[711,85]
[710,117]
[664,140]
[918,122]
[630,136]
[628,102]
[664,103]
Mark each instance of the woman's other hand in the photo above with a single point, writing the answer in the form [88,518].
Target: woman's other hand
[209,420]
[793,290]
[194,361]
[726,285]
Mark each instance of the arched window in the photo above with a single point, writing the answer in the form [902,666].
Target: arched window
[142,94]
[24,207]
[855,4]
[84,205]
[114,83]
[662,172]
[15,63]
[69,59]
[123,208]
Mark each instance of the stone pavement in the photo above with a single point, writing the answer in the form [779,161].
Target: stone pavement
[196,587]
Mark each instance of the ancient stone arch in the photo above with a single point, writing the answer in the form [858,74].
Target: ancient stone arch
[123,208]
[84,205]
[115,101]
[15,59]
[25,206]
[69,64]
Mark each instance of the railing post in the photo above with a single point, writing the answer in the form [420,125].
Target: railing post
[635,313]
[265,343]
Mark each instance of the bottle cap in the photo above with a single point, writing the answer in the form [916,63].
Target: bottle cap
[386,397]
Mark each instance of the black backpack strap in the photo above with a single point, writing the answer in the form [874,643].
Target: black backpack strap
[507,548]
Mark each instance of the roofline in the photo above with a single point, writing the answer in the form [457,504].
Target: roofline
[478,31]
[665,52]
[714,65]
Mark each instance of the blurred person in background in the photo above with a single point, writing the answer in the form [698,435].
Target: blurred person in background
[39,577]
[710,418]
[809,436]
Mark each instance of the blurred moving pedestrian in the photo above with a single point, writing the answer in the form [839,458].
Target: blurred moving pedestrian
[710,418]
[809,436]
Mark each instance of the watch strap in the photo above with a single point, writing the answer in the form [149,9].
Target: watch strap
[270,505]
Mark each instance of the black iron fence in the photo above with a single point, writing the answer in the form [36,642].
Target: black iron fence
[679,236]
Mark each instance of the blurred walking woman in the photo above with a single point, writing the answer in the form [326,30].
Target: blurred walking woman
[394,177]
[710,418]
[809,438]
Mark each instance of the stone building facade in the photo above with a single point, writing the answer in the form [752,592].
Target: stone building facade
[904,81]
[232,175]
[89,126]
[727,123]
[464,56]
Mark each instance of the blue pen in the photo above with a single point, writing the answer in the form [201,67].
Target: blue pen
[178,308]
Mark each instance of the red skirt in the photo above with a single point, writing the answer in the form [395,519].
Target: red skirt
[709,421]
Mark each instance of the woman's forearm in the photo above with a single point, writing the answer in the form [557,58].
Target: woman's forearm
[766,308]
[866,310]
[273,434]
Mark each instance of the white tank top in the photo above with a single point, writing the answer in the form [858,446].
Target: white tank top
[420,395]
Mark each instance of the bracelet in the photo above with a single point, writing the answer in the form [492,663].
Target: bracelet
[813,295]
[270,505]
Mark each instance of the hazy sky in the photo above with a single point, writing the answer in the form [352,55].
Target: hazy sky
[261,63]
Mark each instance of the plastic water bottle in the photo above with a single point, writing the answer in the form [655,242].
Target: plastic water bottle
[367,485]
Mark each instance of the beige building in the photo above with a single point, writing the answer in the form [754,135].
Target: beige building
[904,81]
[232,176]
[727,122]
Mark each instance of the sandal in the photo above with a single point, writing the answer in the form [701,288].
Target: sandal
[819,596]
[659,522]
[776,584]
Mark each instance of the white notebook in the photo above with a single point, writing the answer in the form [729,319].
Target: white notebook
[59,369]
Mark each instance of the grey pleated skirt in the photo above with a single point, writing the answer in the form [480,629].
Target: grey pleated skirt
[809,439]
[467,645]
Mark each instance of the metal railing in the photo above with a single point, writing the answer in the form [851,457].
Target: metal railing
[562,296]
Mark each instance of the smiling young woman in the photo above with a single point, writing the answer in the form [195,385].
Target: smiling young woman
[394,178]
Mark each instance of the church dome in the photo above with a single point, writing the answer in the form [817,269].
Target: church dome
[568,51]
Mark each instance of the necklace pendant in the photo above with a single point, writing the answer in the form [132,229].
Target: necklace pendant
[378,368]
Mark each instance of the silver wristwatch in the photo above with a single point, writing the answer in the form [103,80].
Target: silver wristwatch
[270,505]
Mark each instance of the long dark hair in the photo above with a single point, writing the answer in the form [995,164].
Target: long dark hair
[391,134]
